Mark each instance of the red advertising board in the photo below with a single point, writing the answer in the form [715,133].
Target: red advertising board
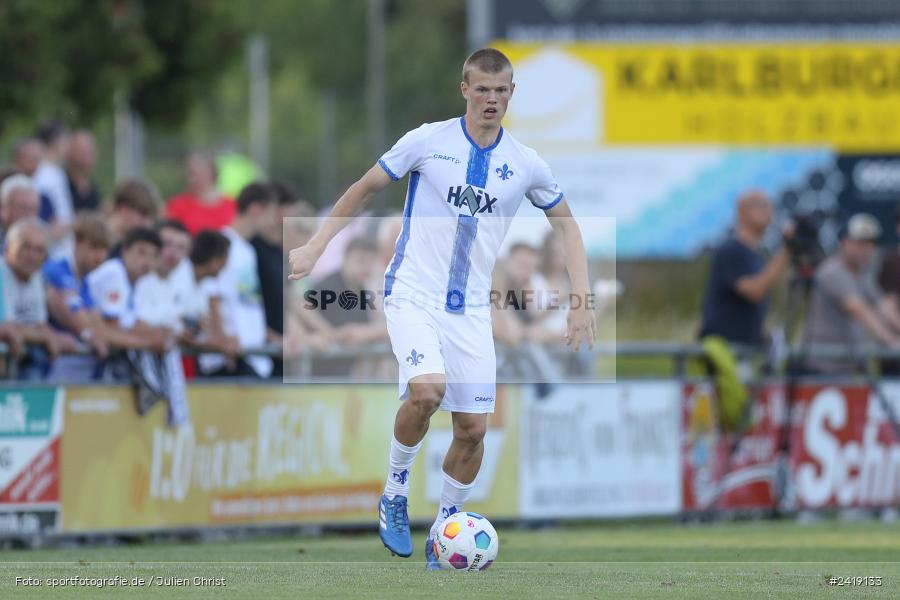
[843,450]
[726,471]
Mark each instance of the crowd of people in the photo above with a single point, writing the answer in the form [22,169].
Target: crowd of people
[100,287]
[848,299]
[93,286]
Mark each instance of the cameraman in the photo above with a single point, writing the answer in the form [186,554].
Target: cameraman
[740,281]
[846,306]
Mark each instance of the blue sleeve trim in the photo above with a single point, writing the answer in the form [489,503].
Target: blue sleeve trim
[552,204]
[387,170]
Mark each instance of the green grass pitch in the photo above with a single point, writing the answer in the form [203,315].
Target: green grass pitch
[643,560]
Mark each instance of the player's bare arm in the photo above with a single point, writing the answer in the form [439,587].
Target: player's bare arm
[354,200]
[580,322]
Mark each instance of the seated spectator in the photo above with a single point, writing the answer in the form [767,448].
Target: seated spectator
[242,309]
[111,289]
[353,327]
[24,302]
[889,282]
[27,155]
[68,298]
[201,206]
[18,200]
[135,204]
[160,296]
[51,182]
[846,307]
[202,316]
[80,172]
[740,280]
[182,293]
[153,360]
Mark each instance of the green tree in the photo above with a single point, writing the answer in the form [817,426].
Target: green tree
[68,57]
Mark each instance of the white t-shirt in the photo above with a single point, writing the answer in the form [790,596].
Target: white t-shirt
[51,181]
[112,292]
[23,302]
[459,205]
[160,301]
[243,314]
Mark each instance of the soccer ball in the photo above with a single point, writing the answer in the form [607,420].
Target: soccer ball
[466,541]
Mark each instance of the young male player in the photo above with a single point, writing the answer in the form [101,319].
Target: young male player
[467,179]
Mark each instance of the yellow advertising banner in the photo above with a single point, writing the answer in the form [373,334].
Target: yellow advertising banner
[840,95]
[254,454]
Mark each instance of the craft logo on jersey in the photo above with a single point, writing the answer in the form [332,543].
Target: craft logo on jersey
[478,201]
[505,172]
[414,358]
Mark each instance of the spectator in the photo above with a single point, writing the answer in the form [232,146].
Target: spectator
[201,206]
[242,308]
[24,302]
[740,281]
[352,327]
[68,299]
[889,282]
[529,297]
[202,312]
[135,204]
[161,295]
[50,181]
[18,200]
[846,307]
[27,156]
[270,259]
[79,171]
[270,262]
[153,360]
[111,288]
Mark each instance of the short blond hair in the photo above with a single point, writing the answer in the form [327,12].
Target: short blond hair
[487,60]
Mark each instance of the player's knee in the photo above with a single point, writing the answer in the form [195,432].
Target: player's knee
[426,397]
[471,433]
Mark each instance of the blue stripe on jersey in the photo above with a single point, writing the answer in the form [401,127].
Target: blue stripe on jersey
[466,228]
[552,204]
[477,169]
[400,248]
[479,158]
[387,170]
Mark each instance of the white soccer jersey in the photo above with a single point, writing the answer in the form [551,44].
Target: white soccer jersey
[459,205]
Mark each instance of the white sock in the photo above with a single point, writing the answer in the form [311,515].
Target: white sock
[453,496]
[402,458]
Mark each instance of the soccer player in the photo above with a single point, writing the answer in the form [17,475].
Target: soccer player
[467,179]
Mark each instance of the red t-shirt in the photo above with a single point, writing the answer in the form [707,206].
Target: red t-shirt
[196,215]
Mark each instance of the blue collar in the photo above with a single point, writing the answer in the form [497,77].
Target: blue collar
[462,122]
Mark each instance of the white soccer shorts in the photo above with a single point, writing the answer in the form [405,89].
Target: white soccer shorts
[460,346]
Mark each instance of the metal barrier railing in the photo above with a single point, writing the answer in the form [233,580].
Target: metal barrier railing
[680,353]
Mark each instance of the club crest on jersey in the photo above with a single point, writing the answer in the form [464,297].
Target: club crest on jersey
[414,358]
[477,201]
[505,172]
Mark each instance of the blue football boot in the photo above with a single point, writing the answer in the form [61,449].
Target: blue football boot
[431,561]
[394,526]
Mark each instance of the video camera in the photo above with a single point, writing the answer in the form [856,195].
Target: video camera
[804,244]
